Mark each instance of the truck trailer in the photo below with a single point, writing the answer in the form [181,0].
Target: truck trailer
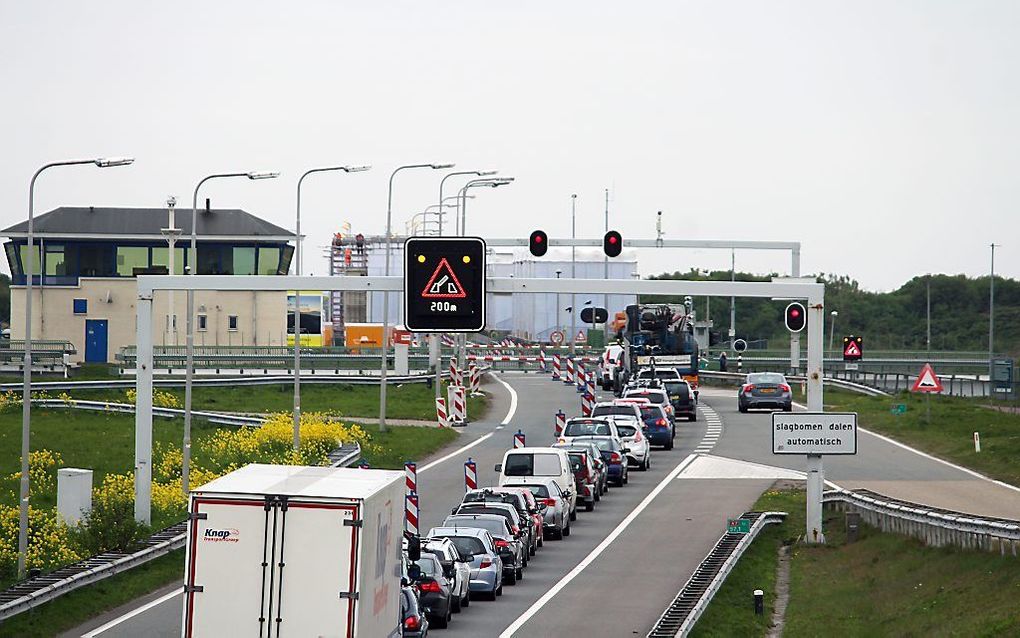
[291,551]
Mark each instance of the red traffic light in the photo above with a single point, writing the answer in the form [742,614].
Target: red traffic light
[612,244]
[538,243]
[795,318]
[794,312]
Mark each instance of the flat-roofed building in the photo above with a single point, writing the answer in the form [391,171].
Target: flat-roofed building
[89,257]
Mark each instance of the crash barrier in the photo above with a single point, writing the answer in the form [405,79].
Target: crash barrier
[32,592]
[680,617]
[129,408]
[225,380]
[931,525]
[735,379]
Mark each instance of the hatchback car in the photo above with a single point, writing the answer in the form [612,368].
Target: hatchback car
[510,548]
[518,526]
[765,390]
[656,396]
[657,427]
[554,507]
[454,566]
[636,446]
[613,454]
[527,513]
[435,590]
[478,547]
[413,621]
[683,398]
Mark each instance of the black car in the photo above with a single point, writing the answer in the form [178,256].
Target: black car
[682,399]
[435,590]
[413,621]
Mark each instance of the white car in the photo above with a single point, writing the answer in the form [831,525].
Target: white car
[638,449]
[535,464]
[588,426]
[610,365]
[453,563]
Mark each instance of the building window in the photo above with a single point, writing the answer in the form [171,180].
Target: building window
[94,260]
[244,260]
[55,264]
[269,260]
[171,323]
[81,306]
[24,258]
[161,257]
[130,258]
[202,323]
[232,323]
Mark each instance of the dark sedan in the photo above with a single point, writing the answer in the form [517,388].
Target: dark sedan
[435,587]
[765,390]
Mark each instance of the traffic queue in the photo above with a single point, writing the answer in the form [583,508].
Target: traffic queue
[489,539]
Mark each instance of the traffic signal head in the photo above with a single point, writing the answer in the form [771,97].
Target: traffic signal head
[612,244]
[538,243]
[796,317]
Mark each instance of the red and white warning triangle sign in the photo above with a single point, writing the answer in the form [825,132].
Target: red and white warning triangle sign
[927,380]
[851,349]
[443,284]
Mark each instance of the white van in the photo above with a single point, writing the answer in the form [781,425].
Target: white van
[533,464]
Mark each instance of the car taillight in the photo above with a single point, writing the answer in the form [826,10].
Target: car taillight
[784,387]
[661,422]
[748,388]
[485,563]
[502,543]
[614,458]
[551,502]
[411,622]
[429,586]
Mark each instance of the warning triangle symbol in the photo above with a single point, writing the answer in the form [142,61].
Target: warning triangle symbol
[927,380]
[851,350]
[443,284]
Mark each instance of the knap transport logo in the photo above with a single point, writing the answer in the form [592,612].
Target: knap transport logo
[214,535]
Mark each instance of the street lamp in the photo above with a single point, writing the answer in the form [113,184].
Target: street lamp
[559,326]
[26,397]
[297,293]
[442,182]
[573,271]
[475,183]
[991,318]
[189,372]
[385,345]
[832,328]
[171,233]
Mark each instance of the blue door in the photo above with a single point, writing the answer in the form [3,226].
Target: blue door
[95,340]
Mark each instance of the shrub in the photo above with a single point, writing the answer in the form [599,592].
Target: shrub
[42,471]
[51,543]
[111,524]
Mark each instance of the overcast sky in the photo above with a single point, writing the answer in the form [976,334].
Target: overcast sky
[883,135]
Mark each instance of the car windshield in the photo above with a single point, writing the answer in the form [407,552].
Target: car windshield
[651,414]
[766,377]
[677,390]
[492,526]
[429,565]
[607,410]
[626,430]
[604,443]
[468,545]
[482,508]
[586,428]
[538,491]
[528,464]
[655,396]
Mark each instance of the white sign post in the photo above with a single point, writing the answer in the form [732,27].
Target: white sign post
[814,434]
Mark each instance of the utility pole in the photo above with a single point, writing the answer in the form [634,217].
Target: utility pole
[991,319]
[928,310]
[605,275]
[573,274]
[733,300]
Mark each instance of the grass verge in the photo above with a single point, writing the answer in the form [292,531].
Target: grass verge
[77,607]
[881,585]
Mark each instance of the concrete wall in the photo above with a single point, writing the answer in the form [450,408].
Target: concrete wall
[261,316]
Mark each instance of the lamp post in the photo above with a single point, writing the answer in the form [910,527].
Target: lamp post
[558,316]
[171,233]
[189,371]
[442,182]
[573,273]
[832,328]
[297,293]
[385,345]
[26,395]
[991,317]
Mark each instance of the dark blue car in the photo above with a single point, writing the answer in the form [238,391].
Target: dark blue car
[657,427]
[613,455]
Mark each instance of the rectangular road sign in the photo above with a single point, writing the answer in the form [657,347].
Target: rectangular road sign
[444,284]
[814,433]
[738,526]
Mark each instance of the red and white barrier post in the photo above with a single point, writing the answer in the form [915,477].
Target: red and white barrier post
[591,383]
[519,440]
[411,514]
[541,360]
[475,380]
[585,404]
[569,379]
[580,377]
[556,368]
[559,423]
[411,477]
[442,416]
[470,475]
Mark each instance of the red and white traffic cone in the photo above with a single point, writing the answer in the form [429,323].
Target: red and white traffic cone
[470,475]
[442,416]
[411,514]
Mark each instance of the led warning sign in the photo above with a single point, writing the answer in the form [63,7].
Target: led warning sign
[853,348]
[444,284]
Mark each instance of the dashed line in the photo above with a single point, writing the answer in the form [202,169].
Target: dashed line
[712,433]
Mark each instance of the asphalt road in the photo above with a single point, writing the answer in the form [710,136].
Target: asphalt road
[624,562]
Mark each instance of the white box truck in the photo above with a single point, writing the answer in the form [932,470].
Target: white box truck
[290,551]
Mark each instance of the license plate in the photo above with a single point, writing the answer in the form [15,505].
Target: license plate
[768,390]
[674,397]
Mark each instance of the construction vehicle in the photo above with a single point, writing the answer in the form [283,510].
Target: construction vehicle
[660,335]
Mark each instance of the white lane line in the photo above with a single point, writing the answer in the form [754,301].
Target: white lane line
[563,582]
[930,457]
[131,614]
[460,451]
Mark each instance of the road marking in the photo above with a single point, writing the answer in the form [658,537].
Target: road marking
[459,451]
[131,614]
[595,553]
[930,457]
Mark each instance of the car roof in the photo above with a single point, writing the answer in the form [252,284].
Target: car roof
[494,504]
[533,480]
[480,517]
[447,530]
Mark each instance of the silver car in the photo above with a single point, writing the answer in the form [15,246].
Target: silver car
[511,549]
[478,548]
[555,519]
[454,564]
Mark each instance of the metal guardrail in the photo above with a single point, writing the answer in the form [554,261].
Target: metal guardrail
[931,525]
[129,408]
[33,592]
[226,380]
[680,617]
[738,377]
